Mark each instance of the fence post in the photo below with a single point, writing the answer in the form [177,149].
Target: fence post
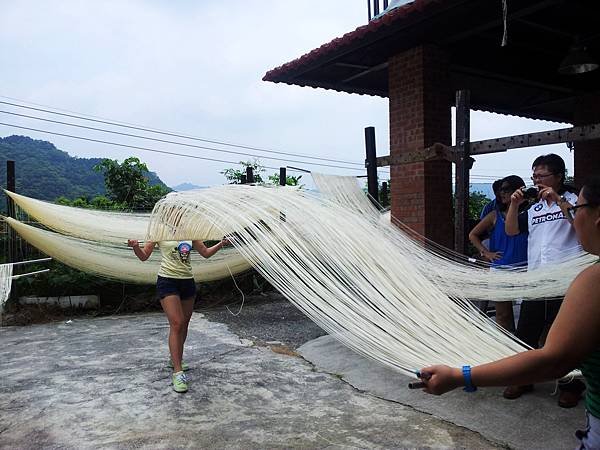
[282,176]
[11,211]
[249,175]
[371,163]
[384,194]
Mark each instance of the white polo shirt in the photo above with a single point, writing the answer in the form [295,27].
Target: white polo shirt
[551,237]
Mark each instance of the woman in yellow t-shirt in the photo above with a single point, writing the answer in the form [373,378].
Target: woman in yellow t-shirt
[177,291]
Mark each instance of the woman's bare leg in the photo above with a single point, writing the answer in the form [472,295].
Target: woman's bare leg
[173,308]
[504,316]
[187,305]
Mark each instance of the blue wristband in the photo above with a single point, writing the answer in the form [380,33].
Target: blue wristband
[466,370]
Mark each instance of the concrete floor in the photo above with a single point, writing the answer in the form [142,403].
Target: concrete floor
[103,383]
[534,421]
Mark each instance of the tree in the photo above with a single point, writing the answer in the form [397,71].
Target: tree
[127,184]
[234,176]
[290,180]
[477,200]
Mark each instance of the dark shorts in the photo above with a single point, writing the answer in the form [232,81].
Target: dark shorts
[185,288]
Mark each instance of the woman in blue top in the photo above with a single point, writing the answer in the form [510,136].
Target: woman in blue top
[505,251]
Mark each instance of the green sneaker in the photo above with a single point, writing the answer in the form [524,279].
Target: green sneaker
[184,365]
[180,382]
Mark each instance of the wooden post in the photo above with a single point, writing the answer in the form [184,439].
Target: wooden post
[249,175]
[463,165]
[371,163]
[10,205]
[282,176]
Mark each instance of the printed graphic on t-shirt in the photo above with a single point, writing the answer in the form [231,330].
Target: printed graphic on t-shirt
[183,250]
[548,217]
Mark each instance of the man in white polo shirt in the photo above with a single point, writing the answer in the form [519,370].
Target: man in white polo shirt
[551,239]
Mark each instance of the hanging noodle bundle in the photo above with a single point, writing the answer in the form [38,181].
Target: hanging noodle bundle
[342,273]
[453,272]
[118,261]
[382,291]
[6,271]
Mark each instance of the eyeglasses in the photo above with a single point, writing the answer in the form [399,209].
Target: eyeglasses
[540,176]
[573,209]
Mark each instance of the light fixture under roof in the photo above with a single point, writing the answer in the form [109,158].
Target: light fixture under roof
[577,61]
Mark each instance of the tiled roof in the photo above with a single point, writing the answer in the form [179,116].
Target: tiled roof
[405,12]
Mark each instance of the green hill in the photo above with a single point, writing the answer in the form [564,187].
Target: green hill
[46,173]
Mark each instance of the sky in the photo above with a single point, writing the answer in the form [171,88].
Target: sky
[195,68]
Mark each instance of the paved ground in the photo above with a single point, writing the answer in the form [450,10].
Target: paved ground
[102,383]
[532,422]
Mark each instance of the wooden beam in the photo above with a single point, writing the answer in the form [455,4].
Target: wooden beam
[352,66]
[436,151]
[455,68]
[365,72]
[440,151]
[497,22]
[502,144]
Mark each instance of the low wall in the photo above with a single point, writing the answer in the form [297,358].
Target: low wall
[66,301]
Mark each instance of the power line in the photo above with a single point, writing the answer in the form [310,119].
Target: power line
[167,133]
[160,140]
[162,151]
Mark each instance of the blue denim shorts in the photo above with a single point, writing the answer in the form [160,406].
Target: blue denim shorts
[185,287]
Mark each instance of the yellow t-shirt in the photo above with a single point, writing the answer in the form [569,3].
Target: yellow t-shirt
[175,261]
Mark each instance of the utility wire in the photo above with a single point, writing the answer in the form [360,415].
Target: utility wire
[164,151]
[123,145]
[149,130]
[185,155]
[163,140]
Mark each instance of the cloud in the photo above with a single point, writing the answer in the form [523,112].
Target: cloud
[195,67]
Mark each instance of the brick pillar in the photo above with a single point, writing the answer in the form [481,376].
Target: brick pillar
[420,102]
[586,157]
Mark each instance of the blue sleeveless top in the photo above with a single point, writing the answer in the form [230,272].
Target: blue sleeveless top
[513,248]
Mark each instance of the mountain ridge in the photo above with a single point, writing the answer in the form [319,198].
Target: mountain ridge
[44,172]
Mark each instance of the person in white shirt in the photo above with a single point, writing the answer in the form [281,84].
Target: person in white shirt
[551,239]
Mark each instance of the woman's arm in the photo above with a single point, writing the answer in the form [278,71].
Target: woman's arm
[142,253]
[483,227]
[574,335]
[207,252]
[511,222]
